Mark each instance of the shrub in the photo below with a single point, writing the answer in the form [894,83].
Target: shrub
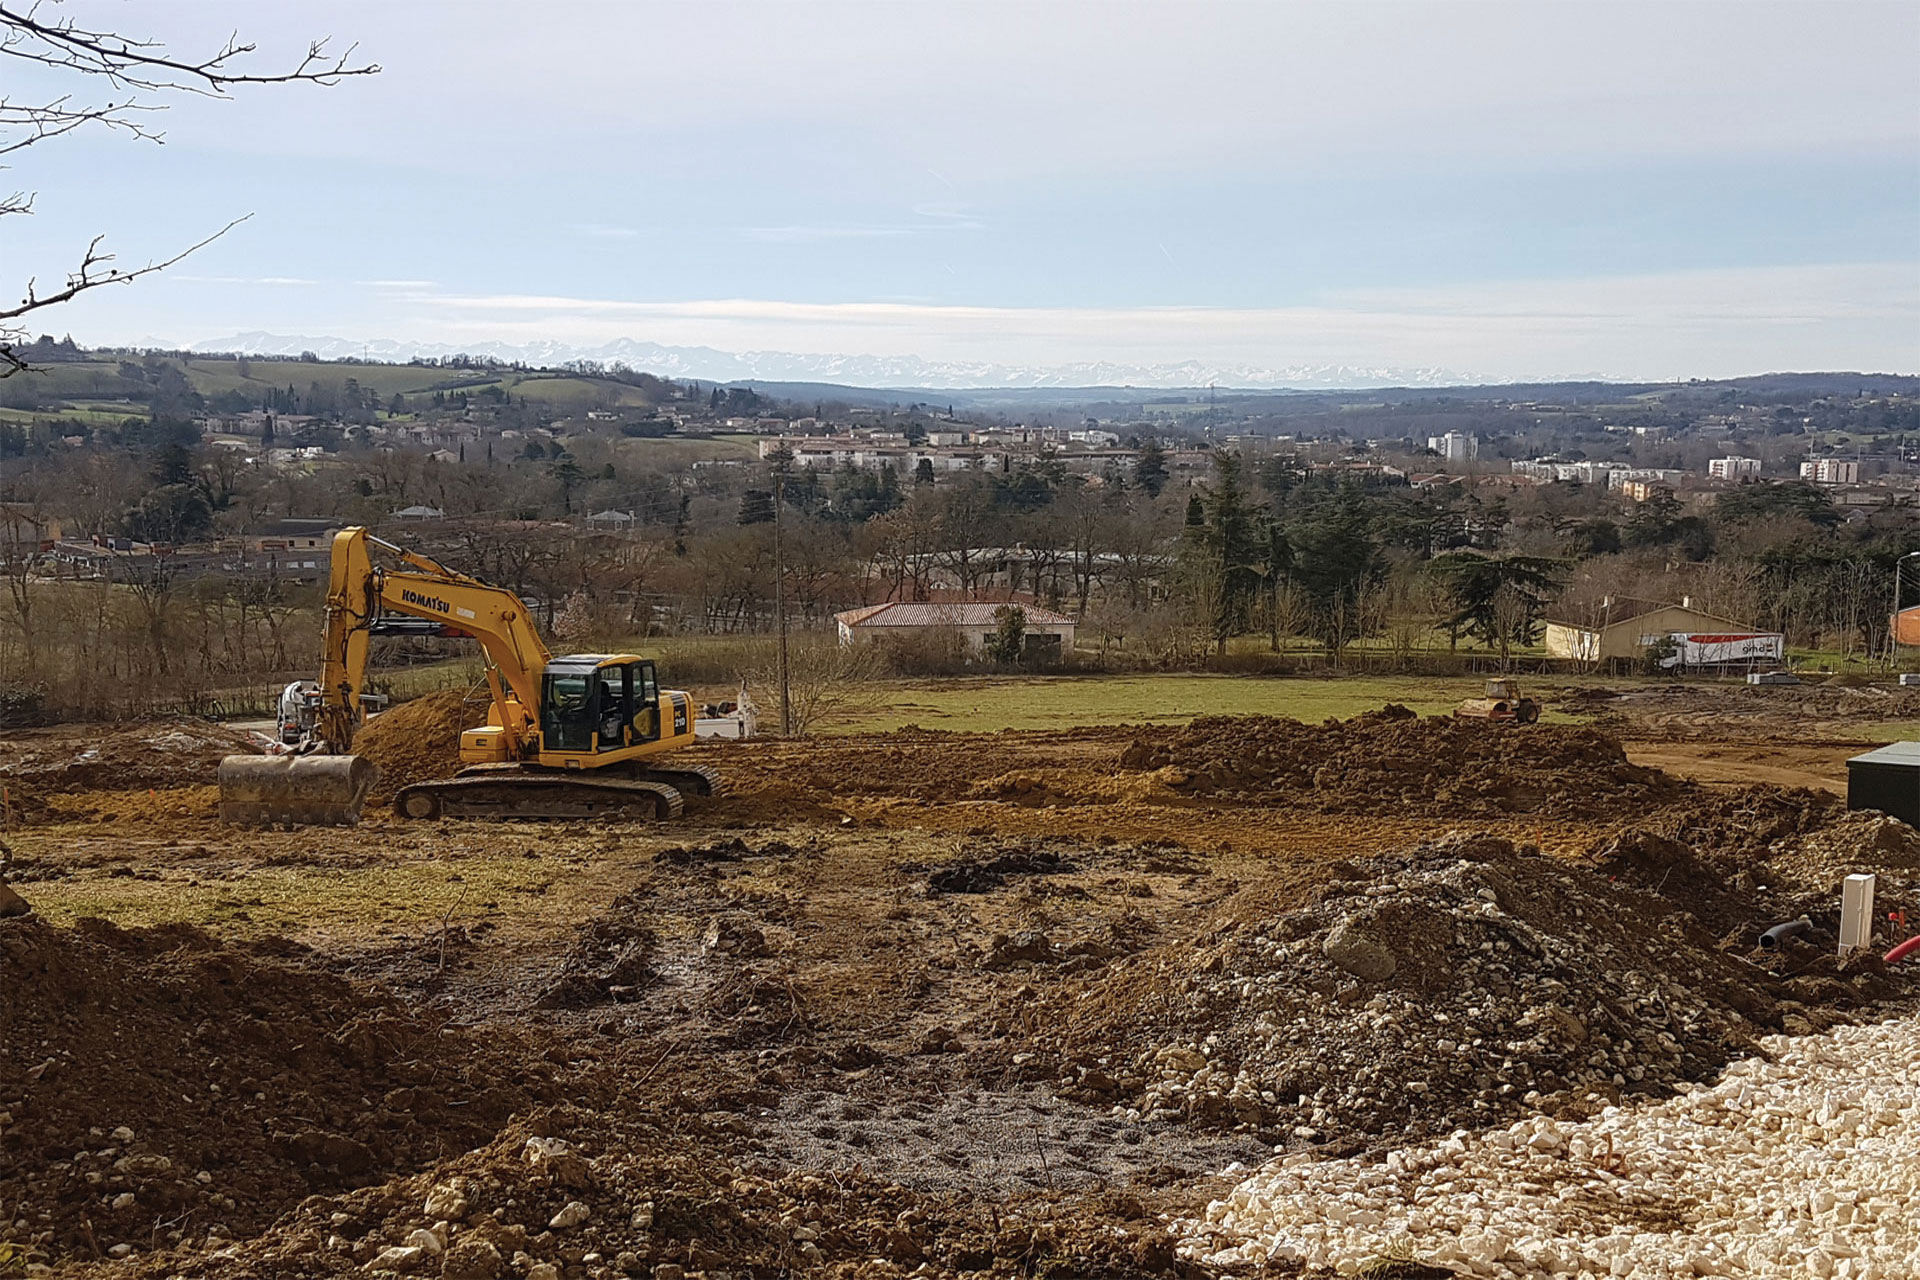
[927,651]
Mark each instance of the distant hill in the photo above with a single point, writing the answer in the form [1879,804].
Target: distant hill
[904,373]
[88,385]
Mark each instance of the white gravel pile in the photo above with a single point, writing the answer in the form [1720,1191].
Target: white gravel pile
[1804,1165]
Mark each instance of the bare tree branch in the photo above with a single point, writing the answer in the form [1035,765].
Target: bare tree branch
[90,275]
[92,272]
[51,119]
[130,67]
[144,64]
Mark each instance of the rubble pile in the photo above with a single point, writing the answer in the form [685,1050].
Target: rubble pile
[419,741]
[571,1193]
[1457,984]
[155,1076]
[1735,827]
[1392,759]
[1798,1163]
[1817,862]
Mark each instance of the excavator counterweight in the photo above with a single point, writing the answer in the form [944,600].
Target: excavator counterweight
[566,737]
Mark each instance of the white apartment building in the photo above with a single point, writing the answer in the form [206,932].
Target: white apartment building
[1587,472]
[1621,477]
[1830,470]
[1734,468]
[1455,446]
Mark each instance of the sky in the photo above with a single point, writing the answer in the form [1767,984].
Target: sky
[1504,191]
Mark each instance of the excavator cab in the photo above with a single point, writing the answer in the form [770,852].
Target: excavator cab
[590,702]
[567,695]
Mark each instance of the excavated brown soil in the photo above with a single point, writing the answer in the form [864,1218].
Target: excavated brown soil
[155,1081]
[40,768]
[419,740]
[1790,713]
[1393,759]
[1735,826]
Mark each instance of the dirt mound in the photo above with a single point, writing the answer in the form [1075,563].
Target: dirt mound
[1816,863]
[1707,712]
[1741,860]
[1734,828]
[42,765]
[418,741]
[154,1076]
[581,1193]
[1390,758]
[1671,870]
[1052,787]
[1455,985]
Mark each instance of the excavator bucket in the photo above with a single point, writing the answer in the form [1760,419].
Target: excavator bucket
[326,791]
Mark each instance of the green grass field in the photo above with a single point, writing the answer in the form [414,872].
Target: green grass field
[99,381]
[984,704]
[212,376]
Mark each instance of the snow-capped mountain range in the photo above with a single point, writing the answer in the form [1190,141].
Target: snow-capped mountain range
[709,365]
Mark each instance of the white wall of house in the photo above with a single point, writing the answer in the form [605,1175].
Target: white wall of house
[976,637]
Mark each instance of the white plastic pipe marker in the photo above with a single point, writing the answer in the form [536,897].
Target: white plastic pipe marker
[1856,912]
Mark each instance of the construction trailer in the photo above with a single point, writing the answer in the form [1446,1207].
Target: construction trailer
[1693,650]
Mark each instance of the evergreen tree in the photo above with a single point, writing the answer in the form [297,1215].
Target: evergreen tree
[565,470]
[1498,600]
[1223,556]
[756,507]
[1150,468]
[1335,559]
[1009,638]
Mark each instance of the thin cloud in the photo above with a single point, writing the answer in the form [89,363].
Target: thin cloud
[399,284]
[266,280]
[809,235]
[1737,321]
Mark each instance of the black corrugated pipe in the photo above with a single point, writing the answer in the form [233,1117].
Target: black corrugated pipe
[1776,937]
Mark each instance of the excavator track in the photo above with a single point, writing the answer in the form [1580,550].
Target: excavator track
[509,794]
[689,779]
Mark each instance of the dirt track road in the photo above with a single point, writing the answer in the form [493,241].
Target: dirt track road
[1821,766]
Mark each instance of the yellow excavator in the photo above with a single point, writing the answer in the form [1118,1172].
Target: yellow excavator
[566,737]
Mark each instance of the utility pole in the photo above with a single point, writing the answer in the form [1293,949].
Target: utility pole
[780,598]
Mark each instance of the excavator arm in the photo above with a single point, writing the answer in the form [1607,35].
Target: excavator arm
[358,592]
[326,783]
[608,725]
